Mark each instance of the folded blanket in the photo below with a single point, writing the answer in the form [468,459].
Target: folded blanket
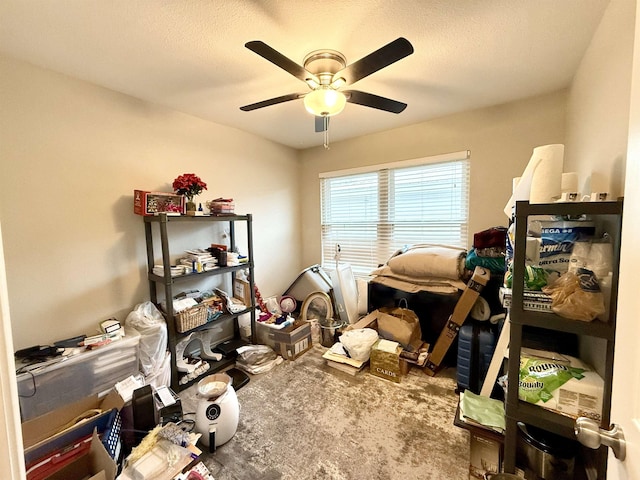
[494,264]
[386,276]
[439,261]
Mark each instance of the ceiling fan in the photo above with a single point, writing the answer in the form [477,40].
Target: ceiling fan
[325,72]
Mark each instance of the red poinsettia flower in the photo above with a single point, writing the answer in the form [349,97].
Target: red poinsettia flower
[189,185]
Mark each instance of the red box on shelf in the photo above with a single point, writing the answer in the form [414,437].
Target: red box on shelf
[151,203]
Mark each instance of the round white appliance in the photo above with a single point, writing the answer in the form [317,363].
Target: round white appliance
[218,411]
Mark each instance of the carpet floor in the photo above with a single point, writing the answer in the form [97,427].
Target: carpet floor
[306,420]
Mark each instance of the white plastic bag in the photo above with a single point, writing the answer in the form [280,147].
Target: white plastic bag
[257,359]
[358,342]
[149,322]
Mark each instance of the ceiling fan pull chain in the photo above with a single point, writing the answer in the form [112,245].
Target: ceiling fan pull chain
[325,119]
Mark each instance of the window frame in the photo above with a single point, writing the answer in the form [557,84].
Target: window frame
[387,170]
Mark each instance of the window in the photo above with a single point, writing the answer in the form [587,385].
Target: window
[374,211]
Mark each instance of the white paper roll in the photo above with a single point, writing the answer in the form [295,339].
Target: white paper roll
[514,184]
[542,179]
[569,182]
[546,184]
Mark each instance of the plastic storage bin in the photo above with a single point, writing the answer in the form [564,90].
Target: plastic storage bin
[88,373]
[312,279]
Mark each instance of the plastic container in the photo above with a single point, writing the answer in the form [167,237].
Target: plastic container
[71,379]
[311,279]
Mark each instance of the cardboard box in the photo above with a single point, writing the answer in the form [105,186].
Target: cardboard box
[466,301]
[42,435]
[94,465]
[485,455]
[242,291]
[151,203]
[290,342]
[368,321]
[387,364]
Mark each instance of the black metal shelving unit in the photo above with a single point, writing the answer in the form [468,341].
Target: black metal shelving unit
[520,411]
[167,282]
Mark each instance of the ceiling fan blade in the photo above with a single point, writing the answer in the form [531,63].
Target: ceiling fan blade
[383,57]
[272,101]
[322,123]
[275,57]
[374,101]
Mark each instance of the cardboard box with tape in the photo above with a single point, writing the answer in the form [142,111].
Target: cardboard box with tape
[478,281]
[289,342]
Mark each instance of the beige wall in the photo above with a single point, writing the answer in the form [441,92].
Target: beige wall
[598,123]
[71,156]
[501,140]
[598,105]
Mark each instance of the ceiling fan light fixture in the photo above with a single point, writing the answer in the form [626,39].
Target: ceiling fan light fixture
[324,102]
[338,82]
[312,83]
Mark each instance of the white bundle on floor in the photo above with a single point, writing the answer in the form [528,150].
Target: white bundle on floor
[256,359]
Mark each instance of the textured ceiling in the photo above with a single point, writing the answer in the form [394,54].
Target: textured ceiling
[189,55]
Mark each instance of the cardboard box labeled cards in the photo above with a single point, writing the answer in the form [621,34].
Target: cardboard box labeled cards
[385,361]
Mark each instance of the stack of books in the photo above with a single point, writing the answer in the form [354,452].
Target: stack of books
[176,270]
[199,260]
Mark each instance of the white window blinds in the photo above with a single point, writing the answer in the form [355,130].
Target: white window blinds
[373,212]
